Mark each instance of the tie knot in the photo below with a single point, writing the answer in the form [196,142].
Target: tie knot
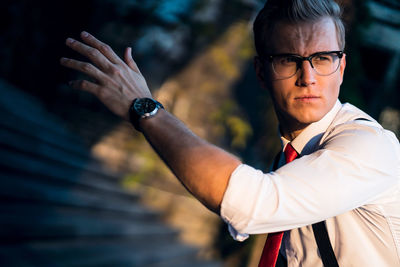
[290,153]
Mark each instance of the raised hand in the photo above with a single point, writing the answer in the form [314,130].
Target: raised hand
[116,82]
[203,168]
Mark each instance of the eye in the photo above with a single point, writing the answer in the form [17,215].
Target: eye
[323,58]
[287,60]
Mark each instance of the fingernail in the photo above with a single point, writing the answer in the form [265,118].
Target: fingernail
[70,40]
[85,34]
[63,59]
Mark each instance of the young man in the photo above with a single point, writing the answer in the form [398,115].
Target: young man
[347,167]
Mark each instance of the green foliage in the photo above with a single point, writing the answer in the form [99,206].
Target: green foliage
[151,167]
[228,123]
[240,131]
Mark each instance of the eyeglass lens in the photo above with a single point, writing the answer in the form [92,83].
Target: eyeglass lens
[287,65]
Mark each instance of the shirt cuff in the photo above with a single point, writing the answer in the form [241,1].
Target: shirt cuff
[235,207]
[236,235]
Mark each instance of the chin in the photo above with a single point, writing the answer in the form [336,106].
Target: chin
[309,118]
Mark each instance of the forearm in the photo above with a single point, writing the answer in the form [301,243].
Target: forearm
[202,168]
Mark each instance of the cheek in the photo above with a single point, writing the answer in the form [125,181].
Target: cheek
[280,93]
[333,86]
[330,93]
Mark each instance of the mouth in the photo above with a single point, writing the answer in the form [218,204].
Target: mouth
[307,98]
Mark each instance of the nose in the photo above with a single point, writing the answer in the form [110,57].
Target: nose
[307,74]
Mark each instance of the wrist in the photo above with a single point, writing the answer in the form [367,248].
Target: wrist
[143,109]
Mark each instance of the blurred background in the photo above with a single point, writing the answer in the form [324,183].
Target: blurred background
[79,187]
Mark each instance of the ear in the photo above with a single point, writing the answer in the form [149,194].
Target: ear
[342,67]
[260,72]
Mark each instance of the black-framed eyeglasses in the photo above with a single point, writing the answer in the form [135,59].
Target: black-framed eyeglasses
[324,63]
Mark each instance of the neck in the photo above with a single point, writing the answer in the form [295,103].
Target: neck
[289,127]
[291,133]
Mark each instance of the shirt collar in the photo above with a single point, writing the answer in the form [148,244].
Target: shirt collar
[305,142]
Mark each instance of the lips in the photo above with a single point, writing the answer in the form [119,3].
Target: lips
[307,98]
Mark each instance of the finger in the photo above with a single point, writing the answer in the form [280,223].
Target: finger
[93,54]
[105,49]
[85,86]
[85,68]
[129,60]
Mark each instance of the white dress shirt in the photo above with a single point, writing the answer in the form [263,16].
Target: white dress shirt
[348,174]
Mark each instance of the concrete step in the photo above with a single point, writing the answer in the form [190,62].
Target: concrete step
[12,162]
[28,221]
[28,109]
[38,133]
[192,262]
[14,141]
[18,188]
[115,252]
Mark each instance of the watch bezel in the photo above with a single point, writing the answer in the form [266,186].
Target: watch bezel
[138,111]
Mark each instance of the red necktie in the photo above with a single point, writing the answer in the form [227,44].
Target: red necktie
[273,243]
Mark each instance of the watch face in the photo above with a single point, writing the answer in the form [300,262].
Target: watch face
[145,105]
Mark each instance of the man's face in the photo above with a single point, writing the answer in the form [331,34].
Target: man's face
[305,97]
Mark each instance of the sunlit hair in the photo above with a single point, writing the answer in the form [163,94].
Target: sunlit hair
[294,11]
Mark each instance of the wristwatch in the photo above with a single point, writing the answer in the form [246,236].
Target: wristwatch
[142,108]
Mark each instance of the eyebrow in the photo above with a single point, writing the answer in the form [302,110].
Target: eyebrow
[316,53]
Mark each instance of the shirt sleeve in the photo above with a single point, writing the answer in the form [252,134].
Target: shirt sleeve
[353,166]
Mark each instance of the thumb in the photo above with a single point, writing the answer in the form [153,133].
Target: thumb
[129,60]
